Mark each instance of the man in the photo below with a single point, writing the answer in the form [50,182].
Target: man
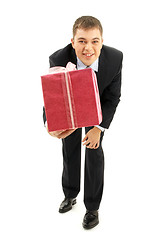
[87,50]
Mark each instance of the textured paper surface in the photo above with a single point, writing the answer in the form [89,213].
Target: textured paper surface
[84,97]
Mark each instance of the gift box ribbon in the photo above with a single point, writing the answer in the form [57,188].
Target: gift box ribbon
[67,92]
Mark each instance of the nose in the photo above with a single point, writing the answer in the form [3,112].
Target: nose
[88,47]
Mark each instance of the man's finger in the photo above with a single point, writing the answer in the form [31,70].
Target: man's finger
[94,146]
[86,142]
[66,133]
[63,135]
[90,144]
[97,145]
[85,138]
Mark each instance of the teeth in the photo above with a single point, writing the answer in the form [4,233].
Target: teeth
[88,55]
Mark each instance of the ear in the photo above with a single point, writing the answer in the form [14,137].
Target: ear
[72,41]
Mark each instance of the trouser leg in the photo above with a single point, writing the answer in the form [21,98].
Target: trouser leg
[72,164]
[94,176]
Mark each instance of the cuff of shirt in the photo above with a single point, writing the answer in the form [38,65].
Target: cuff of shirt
[101,128]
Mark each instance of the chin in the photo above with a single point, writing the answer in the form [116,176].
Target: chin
[88,62]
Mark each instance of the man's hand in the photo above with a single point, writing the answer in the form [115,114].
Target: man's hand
[92,138]
[66,133]
[61,134]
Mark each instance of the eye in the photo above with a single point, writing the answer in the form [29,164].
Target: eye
[95,42]
[81,41]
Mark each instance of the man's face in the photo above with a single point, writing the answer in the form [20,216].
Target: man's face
[87,45]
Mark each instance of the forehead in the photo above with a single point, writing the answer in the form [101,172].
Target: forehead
[91,33]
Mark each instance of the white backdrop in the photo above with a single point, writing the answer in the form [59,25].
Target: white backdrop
[135,193]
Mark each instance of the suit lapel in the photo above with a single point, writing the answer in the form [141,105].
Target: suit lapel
[102,72]
[73,57]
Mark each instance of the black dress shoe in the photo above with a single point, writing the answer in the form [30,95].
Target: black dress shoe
[90,219]
[67,204]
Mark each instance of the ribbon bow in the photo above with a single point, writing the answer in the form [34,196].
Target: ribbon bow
[69,67]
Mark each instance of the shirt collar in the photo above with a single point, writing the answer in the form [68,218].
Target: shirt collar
[94,65]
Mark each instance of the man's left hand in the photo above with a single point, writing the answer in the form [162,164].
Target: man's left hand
[92,138]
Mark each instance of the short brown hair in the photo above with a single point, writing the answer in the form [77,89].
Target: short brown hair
[87,22]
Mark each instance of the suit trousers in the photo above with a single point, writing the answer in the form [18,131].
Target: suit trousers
[93,174]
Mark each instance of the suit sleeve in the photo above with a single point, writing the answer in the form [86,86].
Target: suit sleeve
[110,99]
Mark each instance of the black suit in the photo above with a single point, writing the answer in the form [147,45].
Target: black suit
[109,83]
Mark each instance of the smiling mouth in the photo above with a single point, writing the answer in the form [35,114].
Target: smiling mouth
[88,54]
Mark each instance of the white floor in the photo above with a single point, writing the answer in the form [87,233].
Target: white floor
[134,199]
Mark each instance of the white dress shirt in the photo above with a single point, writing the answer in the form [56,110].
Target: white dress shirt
[94,66]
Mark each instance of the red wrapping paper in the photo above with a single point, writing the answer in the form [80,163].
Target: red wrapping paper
[71,99]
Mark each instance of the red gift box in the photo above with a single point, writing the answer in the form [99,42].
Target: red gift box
[71,99]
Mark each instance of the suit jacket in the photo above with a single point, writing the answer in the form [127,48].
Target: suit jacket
[108,77]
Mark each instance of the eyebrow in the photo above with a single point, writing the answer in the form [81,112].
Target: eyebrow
[85,38]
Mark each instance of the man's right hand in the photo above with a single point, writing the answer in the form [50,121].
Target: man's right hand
[55,133]
[62,133]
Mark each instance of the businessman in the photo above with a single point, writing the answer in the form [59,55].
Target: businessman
[87,50]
